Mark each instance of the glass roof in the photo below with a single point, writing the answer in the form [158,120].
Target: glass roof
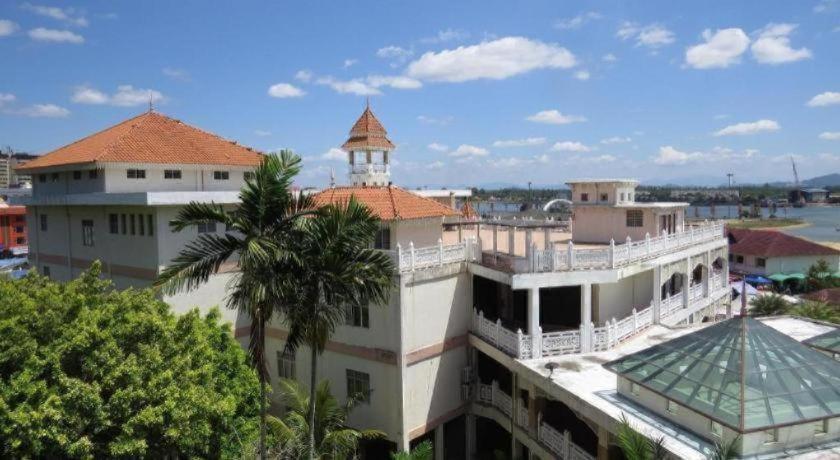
[830,341]
[741,373]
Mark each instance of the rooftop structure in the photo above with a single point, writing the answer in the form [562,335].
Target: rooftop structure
[387,202]
[368,137]
[828,343]
[771,243]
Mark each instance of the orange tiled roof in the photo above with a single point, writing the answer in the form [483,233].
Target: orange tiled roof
[150,138]
[387,203]
[368,134]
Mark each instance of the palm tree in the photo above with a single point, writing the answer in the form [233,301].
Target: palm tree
[726,450]
[333,438]
[637,446]
[768,304]
[338,270]
[259,236]
[423,451]
[817,310]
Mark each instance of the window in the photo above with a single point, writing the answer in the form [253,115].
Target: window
[635,218]
[622,196]
[771,436]
[634,389]
[113,224]
[77,175]
[250,175]
[141,225]
[123,226]
[358,385]
[821,427]
[87,233]
[93,174]
[358,316]
[20,240]
[46,271]
[18,229]
[54,177]
[43,222]
[760,262]
[135,174]
[132,223]
[20,218]
[731,257]
[383,239]
[671,407]
[739,259]
[150,225]
[42,177]
[207,227]
[286,364]
[584,197]
[716,429]
[221,175]
[171,173]
[604,197]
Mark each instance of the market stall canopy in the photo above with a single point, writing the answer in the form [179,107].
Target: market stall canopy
[758,279]
[782,277]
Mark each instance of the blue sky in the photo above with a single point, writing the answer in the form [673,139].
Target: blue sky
[471,92]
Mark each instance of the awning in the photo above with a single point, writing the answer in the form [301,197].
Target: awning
[782,277]
[750,290]
[758,279]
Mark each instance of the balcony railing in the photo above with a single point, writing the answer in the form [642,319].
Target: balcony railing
[608,336]
[411,258]
[561,444]
[367,168]
[492,395]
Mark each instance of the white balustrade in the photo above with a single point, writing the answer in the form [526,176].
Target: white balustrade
[560,342]
[515,344]
[522,416]
[433,256]
[561,444]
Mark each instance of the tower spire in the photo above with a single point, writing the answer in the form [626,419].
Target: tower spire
[369,140]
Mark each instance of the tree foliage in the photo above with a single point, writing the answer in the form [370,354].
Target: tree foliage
[423,451]
[87,371]
[333,438]
[820,276]
[769,304]
[636,446]
[817,310]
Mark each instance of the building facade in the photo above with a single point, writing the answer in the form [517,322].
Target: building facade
[13,232]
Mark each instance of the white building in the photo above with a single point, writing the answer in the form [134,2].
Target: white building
[496,332]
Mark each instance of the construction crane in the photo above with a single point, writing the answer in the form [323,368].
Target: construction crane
[797,197]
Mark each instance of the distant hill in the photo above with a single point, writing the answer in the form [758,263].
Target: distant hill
[829,180]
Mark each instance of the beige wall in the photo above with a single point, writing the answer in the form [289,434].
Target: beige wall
[422,232]
[616,300]
[795,264]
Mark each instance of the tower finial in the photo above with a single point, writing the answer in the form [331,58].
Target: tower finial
[367,102]
[150,102]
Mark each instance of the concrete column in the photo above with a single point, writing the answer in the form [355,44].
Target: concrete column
[534,322]
[707,274]
[547,238]
[657,293]
[439,442]
[470,435]
[686,282]
[495,240]
[459,232]
[514,408]
[603,443]
[586,317]
[511,239]
[477,231]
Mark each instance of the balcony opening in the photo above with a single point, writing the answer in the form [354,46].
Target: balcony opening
[561,418]
[697,275]
[560,308]
[493,440]
[489,370]
[499,301]
[673,285]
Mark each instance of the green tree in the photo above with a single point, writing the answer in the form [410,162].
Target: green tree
[768,304]
[817,310]
[259,239]
[338,270]
[726,450]
[636,446]
[334,440]
[423,451]
[819,276]
[87,371]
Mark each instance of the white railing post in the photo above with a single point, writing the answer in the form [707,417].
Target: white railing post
[647,242]
[411,250]
[440,251]
[497,333]
[635,321]
[628,244]
[614,332]
[519,343]
[571,254]
[612,253]
[475,320]
[567,439]
[536,347]
[399,256]
[591,336]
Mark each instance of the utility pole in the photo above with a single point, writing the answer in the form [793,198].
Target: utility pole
[729,207]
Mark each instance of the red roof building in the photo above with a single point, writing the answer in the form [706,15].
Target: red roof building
[769,252]
[12,227]
[387,203]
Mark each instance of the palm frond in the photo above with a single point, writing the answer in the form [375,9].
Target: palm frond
[196,262]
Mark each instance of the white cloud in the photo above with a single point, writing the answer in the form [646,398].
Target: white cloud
[616,140]
[446,36]
[66,15]
[668,155]
[652,35]
[570,146]
[824,99]
[262,132]
[609,57]
[582,75]
[754,127]
[5,98]
[442,121]
[125,96]
[285,90]
[398,82]
[721,116]
[507,162]
[437,147]
[577,21]
[303,75]
[543,158]
[7,27]
[773,45]
[355,86]
[554,117]
[176,74]
[44,111]
[824,6]
[55,36]
[496,59]
[601,159]
[830,136]
[350,62]
[334,154]
[397,54]
[435,165]
[528,142]
[720,50]
[466,150]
